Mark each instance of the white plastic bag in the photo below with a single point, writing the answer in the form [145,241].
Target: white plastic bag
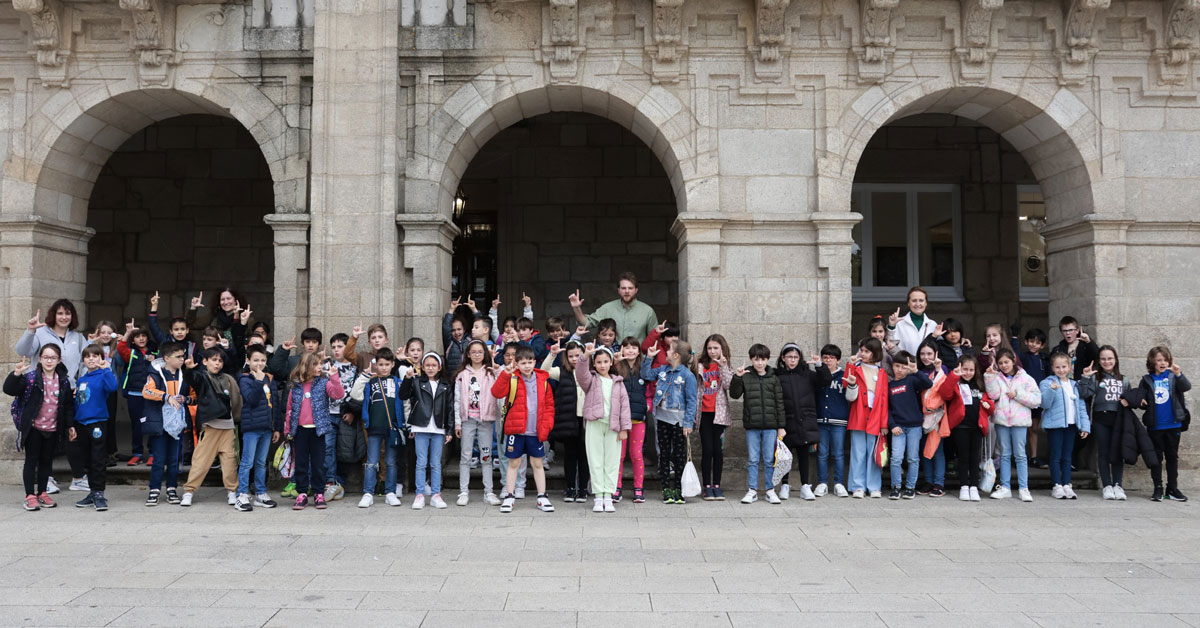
[783,462]
[987,480]
[689,482]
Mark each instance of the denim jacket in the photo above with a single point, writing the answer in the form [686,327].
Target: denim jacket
[676,389]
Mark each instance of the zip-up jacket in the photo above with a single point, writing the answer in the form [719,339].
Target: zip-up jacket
[763,407]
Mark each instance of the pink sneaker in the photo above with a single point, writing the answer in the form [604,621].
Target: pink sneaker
[301,502]
[320,501]
[45,501]
[31,503]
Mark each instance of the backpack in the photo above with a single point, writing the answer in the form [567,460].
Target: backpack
[512,396]
[18,405]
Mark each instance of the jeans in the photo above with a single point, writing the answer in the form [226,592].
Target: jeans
[635,444]
[1062,445]
[310,461]
[833,444]
[1166,445]
[371,467]
[331,475]
[906,452]
[39,455]
[934,469]
[429,453]
[137,409]
[1112,470]
[521,475]
[761,446]
[475,430]
[165,449]
[1012,444]
[864,473]
[969,443]
[712,459]
[255,446]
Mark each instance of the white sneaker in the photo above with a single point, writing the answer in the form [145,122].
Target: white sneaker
[519,493]
[1068,492]
[366,501]
[52,486]
[242,504]
[806,493]
[1108,493]
[598,504]
[785,491]
[262,500]
[964,494]
[1001,492]
[1057,492]
[187,500]
[821,490]
[392,499]
[1118,493]
[608,505]
[400,491]
[750,497]
[840,490]
[437,501]
[859,494]
[463,499]
[876,494]
[418,501]
[77,485]
[974,493]
[491,499]
[231,498]
[1024,495]
[772,498]
[543,504]
[507,505]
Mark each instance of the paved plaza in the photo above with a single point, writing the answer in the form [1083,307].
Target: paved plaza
[835,562]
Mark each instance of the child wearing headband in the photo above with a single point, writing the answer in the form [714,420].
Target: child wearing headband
[431,420]
[606,421]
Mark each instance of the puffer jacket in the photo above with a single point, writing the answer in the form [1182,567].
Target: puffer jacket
[15,386]
[636,388]
[593,400]
[515,420]
[138,363]
[568,424]
[800,389]
[674,388]
[763,407]
[1130,439]
[1015,412]
[863,417]
[261,408]
[1054,407]
[322,389]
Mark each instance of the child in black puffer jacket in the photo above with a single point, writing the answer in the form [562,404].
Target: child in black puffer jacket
[801,384]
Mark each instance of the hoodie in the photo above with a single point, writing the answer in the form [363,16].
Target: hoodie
[91,396]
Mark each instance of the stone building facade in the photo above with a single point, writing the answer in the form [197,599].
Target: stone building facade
[777,169]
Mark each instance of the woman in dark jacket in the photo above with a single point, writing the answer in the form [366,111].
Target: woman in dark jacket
[32,387]
[800,385]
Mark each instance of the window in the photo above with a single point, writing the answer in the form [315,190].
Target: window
[1031,255]
[909,236]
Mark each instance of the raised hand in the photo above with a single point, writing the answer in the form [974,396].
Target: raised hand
[938,331]
[358,330]
[958,372]
[966,342]
[189,363]
[22,367]
[288,345]
[574,299]
[589,348]
[661,328]
[851,380]
[453,305]
[1176,370]
[92,337]
[471,303]
[527,299]
[555,349]
[991,366]
[36,321]
[496,303]
[581,330]
[937,364]
[894,318]
[652,351]
[245,315]
[741,371]
[130,327]
[1083,335]
[1089,370]
[723,361]
[814,358]
[154,302]
[198,302]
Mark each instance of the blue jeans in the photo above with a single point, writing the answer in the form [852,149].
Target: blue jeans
[331,475]
[934,469]
[833,442]
[497,440]
[429,453]
[254,454]
[906,452]
[864,473]
[761,444]
[1062,446]
[165,450]
[1012,443]
[371,469]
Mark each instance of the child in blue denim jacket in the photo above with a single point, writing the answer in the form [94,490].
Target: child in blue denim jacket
[675,402]
[1063,415]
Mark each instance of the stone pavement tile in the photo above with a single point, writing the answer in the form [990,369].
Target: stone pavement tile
[870,557]
[833,602]
[540,529]
[637,555]
[364,553]
[726,602]
[45,596]
[681,619]
[469,545]
[830,570]
[1177,570]
[440,600]
[870,584]
[516,619]
[1191,619]
[322,582]
[648,584]
[1148,556]
[733,542]
[792,619]
[308,598]
[949,542]
[1061,585]
[536,566]
[1023,555]
[765,583]
[1154,586]
[199,565]
[1093,570]
[974,619]
[334,567]
[582,602]
[969,570]
[673,522]
[63,577]
[585,543]
[784,552]
[323,617]
[451,566]
[236,581]
[59,615]
[683,570]
[174,617]
[1059,601]
[477,583]
[1155,603]
[147,597]
[1106,620]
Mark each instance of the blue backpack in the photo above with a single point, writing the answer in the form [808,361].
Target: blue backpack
[18,405]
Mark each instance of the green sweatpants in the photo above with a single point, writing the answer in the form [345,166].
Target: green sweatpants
[604,456]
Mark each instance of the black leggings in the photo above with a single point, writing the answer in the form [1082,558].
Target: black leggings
[712,458]
[1111,471]
[1166,445]
[801,456]
[310,461]
[968,443]
[672,447]
[39,455]
[575,464]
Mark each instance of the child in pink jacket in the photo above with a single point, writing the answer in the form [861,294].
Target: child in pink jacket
[606,421]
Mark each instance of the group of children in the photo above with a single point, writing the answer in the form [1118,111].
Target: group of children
[915,391]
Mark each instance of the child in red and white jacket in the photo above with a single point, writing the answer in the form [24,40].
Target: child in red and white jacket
[968,412]
[528,420]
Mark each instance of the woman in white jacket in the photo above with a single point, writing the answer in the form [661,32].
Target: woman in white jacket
[910,330]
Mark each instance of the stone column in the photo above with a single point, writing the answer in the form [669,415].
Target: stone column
[834,239]
[427,242]
[291,272]
[355,164]
[699,237]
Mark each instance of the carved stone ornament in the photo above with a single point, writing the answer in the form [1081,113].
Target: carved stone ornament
[46,18]
[876,25]
[563,31]
[668,37]
[772,31]
[153,58]
[1182,19]
[977,49]
[1078,36]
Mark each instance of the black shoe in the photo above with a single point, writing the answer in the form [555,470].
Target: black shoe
[1038,463]
[708,494]
[895,494]
[172,495]
[1157,495]
[1174,495]
[937,491]
[909,493]
[100,502]
[616,497]
[90,500]
[569,496]
[717,494]
[923,488]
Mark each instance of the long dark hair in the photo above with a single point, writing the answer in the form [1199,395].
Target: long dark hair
[801,367]
[626,369]
[705,361]
[976,381]
[1116,371]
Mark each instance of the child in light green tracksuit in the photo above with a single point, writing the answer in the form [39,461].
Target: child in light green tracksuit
[606,421]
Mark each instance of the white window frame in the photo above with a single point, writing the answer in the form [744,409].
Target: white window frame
[869,292]
[1030,294]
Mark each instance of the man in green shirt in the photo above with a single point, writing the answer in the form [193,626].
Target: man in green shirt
[633,317]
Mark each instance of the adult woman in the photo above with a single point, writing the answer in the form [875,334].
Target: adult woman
[58,328]
[910,330]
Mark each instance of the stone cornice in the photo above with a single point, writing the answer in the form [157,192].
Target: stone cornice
[50,233]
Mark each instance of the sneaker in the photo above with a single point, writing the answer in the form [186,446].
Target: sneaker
[598,505]
[718,494]
[1069,492]
[616,497]
[1025,495]
[1174,495]
[367,500]
[639,497]
[1057,492]
[391,499]
[463,499]
[90,500]
[923,488]
[895,494]
[937,491]
[520,493]
[289,490]
[821,490]
[608,505]
[31,503]
[772,497]
[569,496]
[1001,492]
[242,503]
[262,500]
[172,495]
[78,485]
[150,461]
[707,494]
[679,497]
[134,461]
[1118,493]
[1038,463]
[667,499]
[543,503]
[975,493]
[491,499]
[320,502]
[330,491]
[785,491]
[859,494]
[301,502]
[418,501]
[964,494]
[806,493]
[910,493]
[152,497]
[840,490]
[52,486]
[1157,495]
[1108,493]
[45,501]
[506,505]
[876,494]
[750,497]
[186,501]
[496,462]
[231,498]
[100,501]
[437,502]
